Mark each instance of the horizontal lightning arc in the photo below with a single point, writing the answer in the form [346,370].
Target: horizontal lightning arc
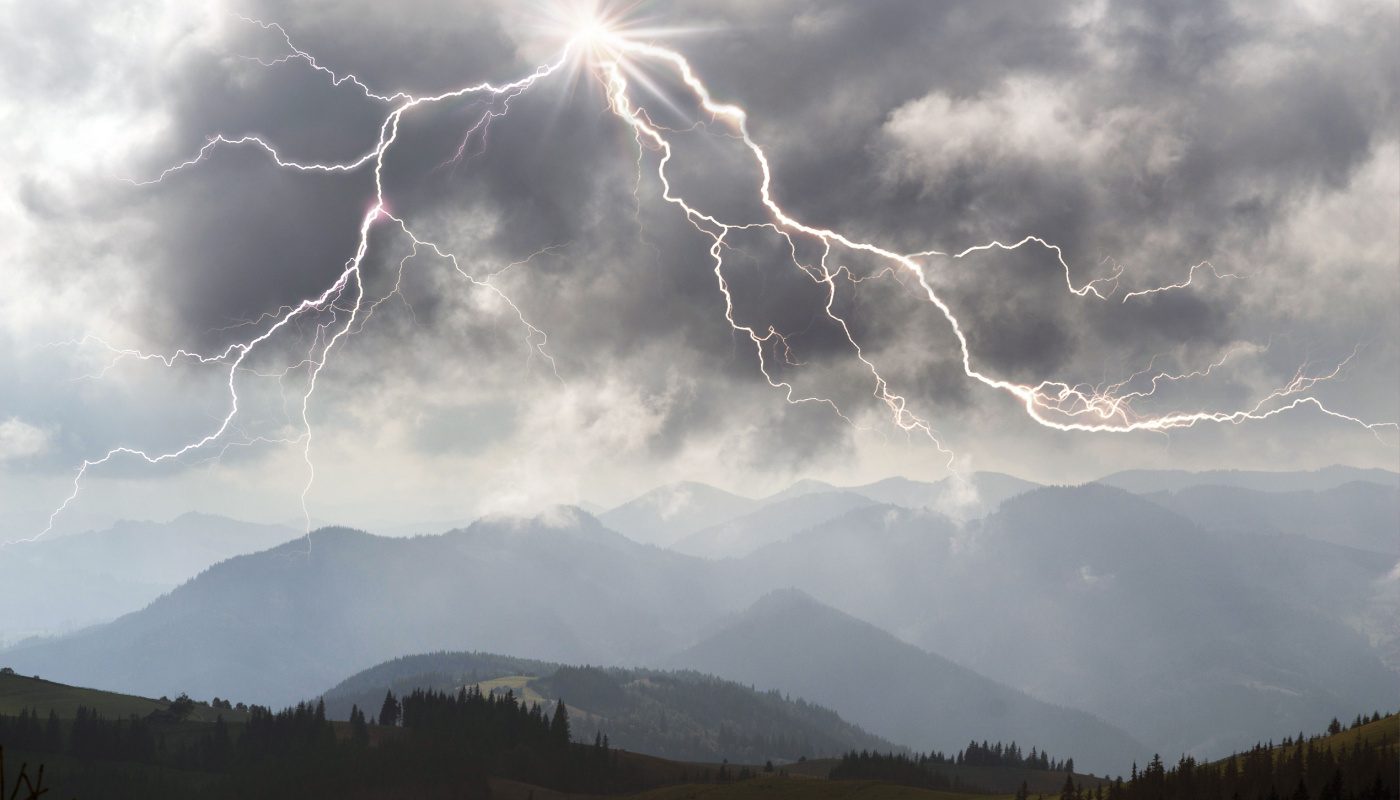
[1106,413]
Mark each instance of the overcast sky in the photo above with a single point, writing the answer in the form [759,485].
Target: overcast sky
[1260,136]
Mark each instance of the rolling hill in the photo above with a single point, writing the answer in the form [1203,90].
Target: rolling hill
[18,692]
[790,642]
[678,715]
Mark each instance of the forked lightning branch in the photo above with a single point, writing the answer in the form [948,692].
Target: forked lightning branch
[619,61]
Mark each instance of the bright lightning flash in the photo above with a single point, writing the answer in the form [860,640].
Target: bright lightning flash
[617,57]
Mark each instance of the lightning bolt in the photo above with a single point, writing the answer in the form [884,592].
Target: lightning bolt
[1054,404]
[616,59]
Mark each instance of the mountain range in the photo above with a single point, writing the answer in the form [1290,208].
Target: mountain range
[1358,514]
[1100,600]
[1146,481]
[1088,620]
[281,625]
[110,572]
[791,642]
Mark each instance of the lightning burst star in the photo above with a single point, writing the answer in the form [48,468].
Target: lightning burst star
[619,60]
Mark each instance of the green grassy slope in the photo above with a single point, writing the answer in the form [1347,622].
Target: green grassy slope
[19,692]
[1386,729]
[683,715]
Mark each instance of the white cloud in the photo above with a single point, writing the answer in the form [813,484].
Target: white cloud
[19,439]
[1030,119]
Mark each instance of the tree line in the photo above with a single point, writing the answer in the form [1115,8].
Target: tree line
[918,771]
[435,744]
[679,715]
[921,769]
[1316,768]
[999,755]
[87,735]
[1362,766]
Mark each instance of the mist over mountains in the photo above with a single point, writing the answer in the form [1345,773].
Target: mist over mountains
[1093,621]
[1096,599]
[114,571]
[1147,481]
[1357,514]
[703,520]
[283,624]
[790,641]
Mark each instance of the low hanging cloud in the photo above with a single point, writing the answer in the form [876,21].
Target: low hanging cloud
[20,440]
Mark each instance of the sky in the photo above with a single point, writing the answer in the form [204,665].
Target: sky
[593,360]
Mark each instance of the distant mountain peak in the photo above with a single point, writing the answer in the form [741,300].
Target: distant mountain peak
[1097,503]
[327,535]
[674,498]
[789,641]
[560,517]
[800,488]
[786,598]
[960,496]
[553,526]
[204,516]
[1144,481]
[667,513]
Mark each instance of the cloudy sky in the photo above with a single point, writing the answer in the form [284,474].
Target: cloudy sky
[1261,137]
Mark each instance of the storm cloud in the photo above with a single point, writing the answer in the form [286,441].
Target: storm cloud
[1262,138]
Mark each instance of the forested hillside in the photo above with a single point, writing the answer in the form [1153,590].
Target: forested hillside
[673,714]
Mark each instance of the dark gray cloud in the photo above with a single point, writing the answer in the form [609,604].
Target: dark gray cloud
[1152,135]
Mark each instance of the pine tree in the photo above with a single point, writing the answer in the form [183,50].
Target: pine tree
[389,712]
[221,744]
[559,725]
[359,729]
[53,734]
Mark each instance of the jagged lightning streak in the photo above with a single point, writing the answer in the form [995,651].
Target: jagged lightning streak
[613,58]
[1054,404]
[1190,276]
[328,335]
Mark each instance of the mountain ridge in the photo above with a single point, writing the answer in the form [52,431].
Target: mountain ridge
[669,714]
[789,641]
